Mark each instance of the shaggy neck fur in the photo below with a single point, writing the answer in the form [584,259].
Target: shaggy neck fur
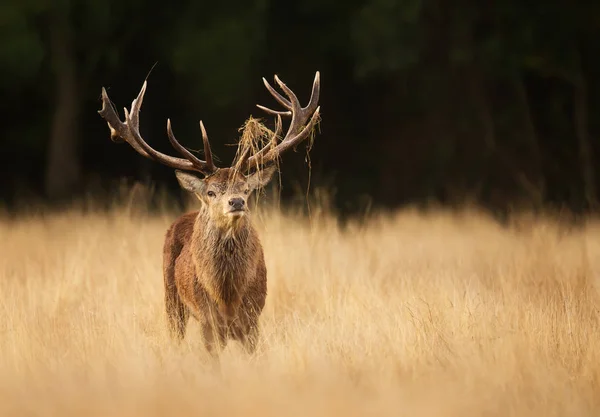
[224,255]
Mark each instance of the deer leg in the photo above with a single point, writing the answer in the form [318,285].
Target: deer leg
[249,330]
[250,339]
[177,313]
[246,331]
[214,340]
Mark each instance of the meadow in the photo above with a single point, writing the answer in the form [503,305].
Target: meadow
[407,313]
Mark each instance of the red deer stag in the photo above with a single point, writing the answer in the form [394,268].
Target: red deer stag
[213,262]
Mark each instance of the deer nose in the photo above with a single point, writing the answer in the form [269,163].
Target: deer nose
[237,203]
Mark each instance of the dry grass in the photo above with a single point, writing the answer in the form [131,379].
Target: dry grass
[412,315]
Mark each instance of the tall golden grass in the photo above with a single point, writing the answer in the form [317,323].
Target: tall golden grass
[403,314]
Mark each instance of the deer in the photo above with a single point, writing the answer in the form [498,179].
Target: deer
[213,261]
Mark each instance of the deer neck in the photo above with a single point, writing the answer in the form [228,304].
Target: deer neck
[223,256]
[223,231]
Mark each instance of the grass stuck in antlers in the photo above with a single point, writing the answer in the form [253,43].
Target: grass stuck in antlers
[411,314]
[255,135]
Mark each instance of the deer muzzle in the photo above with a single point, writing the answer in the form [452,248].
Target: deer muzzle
[236,206]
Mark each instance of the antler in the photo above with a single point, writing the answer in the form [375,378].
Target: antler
[295,133]
[129,132]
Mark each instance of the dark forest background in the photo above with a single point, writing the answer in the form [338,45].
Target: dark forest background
[494,102]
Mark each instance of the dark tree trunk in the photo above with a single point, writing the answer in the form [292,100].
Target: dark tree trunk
[485,113]
[538,190]
[63,168]
[580,109]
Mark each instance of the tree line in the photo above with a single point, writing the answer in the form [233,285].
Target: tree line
[495,102]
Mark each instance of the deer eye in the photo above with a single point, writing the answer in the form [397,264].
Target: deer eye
[247,190]
[211,194]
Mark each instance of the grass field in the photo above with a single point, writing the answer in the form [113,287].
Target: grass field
[406,314]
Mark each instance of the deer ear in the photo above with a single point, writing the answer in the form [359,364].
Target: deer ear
[190,182]
[261,178]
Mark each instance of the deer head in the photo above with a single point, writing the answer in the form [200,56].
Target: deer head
[224,191]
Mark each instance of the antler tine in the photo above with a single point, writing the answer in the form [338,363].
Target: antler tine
[119,131]
[285,103]
[296,132]
[207,151]
[277,133]
[275,112]
[203,166]
[136,105]
[315,93]
[297,110]
[312,104]
[114,123]
[128,131]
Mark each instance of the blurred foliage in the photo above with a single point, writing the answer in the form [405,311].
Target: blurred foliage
[422,99]
[201,42]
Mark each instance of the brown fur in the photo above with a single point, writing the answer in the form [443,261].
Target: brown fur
[214,267]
